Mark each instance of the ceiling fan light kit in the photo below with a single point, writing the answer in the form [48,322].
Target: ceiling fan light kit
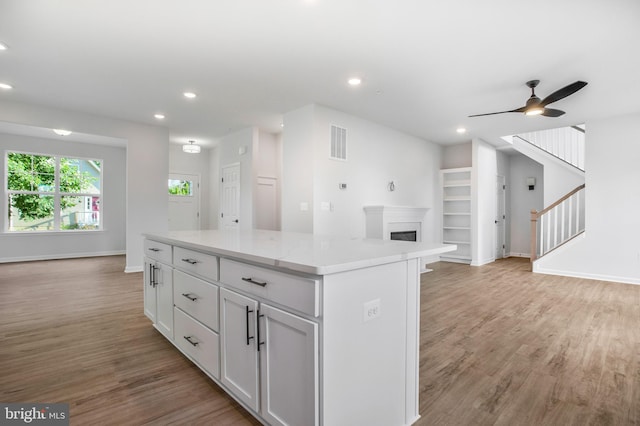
[535,106]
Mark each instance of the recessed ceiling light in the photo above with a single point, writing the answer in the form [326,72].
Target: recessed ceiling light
[461,130]
[62,132]
[5,86]
[3,46]
[189,95]
[355,81]
[159,116]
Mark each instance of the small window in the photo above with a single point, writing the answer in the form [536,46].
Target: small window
[50,193]
[181,188]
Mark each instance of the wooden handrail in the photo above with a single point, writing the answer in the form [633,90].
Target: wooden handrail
[543,211]
[535,215]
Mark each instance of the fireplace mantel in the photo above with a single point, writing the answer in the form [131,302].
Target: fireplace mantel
[382,220]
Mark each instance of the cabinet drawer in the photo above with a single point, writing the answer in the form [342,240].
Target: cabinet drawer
[195,262]
[197,341]
[157,251]
[196,297]
[302,294]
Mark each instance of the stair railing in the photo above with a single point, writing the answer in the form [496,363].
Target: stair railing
[558,223]
[566,143]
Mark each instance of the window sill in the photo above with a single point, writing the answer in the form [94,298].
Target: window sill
[56,233]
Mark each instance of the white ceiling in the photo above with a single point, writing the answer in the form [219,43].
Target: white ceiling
[426,65]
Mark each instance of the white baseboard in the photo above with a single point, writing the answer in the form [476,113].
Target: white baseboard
[482,262]
[525,255]
[60,256]
[574,274]
[130,269]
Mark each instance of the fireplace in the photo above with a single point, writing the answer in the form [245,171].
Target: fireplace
[404,235]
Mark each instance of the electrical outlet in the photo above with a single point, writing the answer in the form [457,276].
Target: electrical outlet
[371,310]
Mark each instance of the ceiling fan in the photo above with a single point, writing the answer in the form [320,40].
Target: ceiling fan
[535,106]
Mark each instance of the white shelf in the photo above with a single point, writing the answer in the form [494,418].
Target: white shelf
[456,219]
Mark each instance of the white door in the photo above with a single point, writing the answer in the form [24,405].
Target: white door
[184,202]
[288,368]
[230,209]
[239,354]
[500,217]
[266,204]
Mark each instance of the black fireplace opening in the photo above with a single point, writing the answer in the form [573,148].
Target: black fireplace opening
[405,235]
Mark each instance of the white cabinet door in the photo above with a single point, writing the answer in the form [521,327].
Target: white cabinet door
[288,368]
[164,299]
[239,360]
[158,295]
[150,305]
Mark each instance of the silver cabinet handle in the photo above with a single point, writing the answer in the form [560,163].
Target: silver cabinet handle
[154,249]
[188,339]
[252,281]
[190,261]
[190,296]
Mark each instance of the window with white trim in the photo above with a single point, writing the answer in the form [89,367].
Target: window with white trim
[53,193]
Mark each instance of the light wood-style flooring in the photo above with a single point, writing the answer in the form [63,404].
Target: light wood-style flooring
[499,345]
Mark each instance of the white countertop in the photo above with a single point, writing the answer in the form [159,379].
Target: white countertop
[313,254]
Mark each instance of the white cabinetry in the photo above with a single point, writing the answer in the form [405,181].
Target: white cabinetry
[456,213]
[270,356]
[158,287]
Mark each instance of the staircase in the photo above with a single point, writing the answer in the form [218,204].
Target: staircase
[563,219]
[557,224]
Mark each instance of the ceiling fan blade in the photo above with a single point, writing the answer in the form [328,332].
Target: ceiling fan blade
[550,112]
[521,109]
[563,93]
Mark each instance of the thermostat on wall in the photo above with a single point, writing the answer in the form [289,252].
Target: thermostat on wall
[342,185]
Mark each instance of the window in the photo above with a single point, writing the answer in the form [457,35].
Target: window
[51,193]
[182,188]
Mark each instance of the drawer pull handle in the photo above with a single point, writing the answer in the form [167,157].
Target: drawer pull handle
[190,296]
[190,261]
[252,281]
[154,249]
[188,339]
[247,312]
[258,326]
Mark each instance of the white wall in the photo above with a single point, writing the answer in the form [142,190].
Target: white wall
[376,155]
[229,149]
[610,248]
[456,156]
[298,169]
[38,245]
[181,162]
[483,202]
[147,165]
[522,201]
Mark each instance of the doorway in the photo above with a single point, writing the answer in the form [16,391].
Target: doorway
[501,216]
[230,190]
[184,202]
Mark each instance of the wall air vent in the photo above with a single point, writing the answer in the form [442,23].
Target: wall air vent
[338,143]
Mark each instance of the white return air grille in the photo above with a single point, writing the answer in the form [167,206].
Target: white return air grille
[338,143]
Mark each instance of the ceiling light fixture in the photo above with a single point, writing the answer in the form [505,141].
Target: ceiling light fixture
[159,116]
[3,46]
[534,111]
[189,95]
[354,81]
[62,132]
[191,148]
[461,130]
[5,86]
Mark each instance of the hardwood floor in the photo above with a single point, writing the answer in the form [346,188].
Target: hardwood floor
[499,345]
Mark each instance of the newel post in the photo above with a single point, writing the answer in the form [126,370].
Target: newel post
[534,239]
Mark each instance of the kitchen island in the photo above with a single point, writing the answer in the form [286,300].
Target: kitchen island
[300,329]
